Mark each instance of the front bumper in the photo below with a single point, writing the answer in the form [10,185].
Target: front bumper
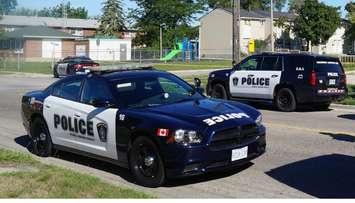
[196,161]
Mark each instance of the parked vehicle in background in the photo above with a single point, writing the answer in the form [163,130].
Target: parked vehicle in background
[286,79]
[72,65]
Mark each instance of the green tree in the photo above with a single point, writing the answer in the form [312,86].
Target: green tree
[248,4]
[111,21]
[175,16]
[316,22]
[7,5]
[350,28]
[64,10]
[24,12]
[295,5]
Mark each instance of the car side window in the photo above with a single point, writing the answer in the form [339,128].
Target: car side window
[96,89]
[272,63]
[69,90]
[251,63]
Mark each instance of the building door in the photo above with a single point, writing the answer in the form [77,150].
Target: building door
[123,52]
[52,48]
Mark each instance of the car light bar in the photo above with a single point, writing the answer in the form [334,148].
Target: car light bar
[120,67]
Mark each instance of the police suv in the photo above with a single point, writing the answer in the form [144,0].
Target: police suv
[150,121]
[284,78]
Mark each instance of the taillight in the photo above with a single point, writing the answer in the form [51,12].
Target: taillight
[78,66]
[95,65]
[313,79]
[343,79]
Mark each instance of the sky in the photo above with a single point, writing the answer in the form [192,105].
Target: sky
[94,6]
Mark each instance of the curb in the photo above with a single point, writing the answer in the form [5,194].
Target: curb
[341,106]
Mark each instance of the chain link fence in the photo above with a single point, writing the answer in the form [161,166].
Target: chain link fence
[42,62]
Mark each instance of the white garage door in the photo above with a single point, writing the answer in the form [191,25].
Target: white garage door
[51,48]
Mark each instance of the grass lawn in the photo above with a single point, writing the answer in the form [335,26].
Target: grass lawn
[45,67]
[31,179]
[350,99]
[349,66]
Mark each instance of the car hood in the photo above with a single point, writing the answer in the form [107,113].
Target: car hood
[208,112]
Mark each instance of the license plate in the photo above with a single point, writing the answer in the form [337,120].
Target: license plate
[332,82]
[238,154]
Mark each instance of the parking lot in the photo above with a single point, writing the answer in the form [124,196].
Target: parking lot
[309,153]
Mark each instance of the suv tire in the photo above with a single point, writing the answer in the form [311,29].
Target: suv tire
[219,92]
[285,100]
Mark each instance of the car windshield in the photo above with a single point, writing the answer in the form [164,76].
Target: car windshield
[149,91]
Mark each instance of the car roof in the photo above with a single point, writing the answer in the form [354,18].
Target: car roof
[304,54]
[133,73]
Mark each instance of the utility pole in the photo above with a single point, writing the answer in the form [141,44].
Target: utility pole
[272,25]
[236,31]
[161,41]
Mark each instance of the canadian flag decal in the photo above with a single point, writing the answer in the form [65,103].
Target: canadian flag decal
[162,132]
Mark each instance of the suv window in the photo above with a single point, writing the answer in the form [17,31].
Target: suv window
[96,89]
[272,63]
[328,66]
[69,90]
[252,63]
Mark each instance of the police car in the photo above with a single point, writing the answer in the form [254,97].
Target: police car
[147,120]
[72,65]
[284,78]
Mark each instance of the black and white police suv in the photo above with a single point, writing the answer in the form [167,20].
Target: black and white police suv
[72,65]
[150,121]
[286,79]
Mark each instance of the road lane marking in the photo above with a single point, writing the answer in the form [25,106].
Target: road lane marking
[308,129]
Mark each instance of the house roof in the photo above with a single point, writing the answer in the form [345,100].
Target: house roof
[39,32]
[259,14]
[10,20]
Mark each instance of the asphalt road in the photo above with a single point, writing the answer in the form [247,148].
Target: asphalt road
[309,154]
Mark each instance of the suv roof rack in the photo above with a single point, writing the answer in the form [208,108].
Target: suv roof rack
[119,68]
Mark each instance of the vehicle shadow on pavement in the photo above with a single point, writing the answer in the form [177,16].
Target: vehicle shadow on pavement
[340,136]
[125,173]
[347,116]
[82,160]
[328,176]
[208,176]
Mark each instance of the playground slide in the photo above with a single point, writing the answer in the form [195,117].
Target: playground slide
[171,55]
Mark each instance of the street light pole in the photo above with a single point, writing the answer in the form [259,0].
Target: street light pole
[236,31]
[272,25]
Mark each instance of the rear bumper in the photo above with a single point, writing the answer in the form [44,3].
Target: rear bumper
[192,162]
[313,95]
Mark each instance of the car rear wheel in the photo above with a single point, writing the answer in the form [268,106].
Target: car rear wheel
[285,100]
[41,142]
[219,92]
[146,163]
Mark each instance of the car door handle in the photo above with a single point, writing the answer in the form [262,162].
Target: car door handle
[250,75]
[274,76]
[77,115]
[47,106]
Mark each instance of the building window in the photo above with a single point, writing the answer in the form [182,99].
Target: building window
[77,32]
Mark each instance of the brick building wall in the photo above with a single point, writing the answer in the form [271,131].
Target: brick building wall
[33,48]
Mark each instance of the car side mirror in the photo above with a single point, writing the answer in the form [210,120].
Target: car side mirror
[197,82]
[99,103]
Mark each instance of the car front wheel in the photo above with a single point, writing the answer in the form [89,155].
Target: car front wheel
[219,92]
[41,142]
[146,163]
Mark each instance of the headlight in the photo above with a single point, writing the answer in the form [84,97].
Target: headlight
[187,137]
[259,120]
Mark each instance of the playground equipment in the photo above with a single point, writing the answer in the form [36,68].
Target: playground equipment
[188,48]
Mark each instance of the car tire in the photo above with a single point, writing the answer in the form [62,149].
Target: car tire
[41,142]
[285,100]
[324,106]
[146,163]
[219,92]
[55,73]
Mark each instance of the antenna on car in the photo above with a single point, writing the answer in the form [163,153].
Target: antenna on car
[119,68]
